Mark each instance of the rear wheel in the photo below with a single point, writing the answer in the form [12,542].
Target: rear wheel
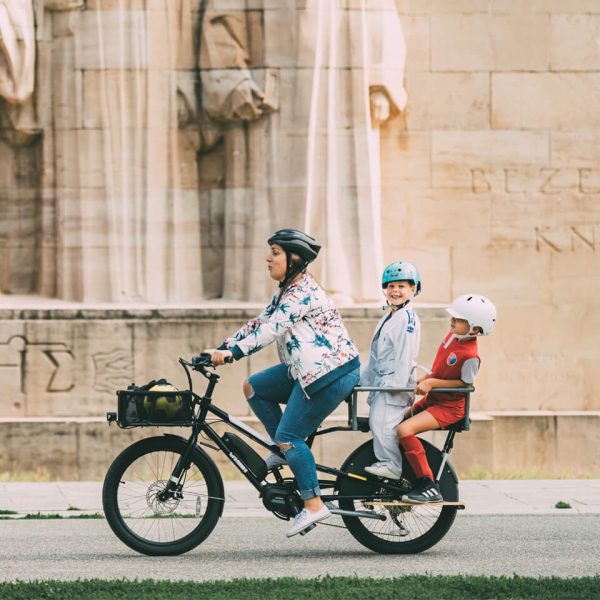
[140,516]
[406,529]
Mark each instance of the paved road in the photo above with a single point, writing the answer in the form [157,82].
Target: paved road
[561,545]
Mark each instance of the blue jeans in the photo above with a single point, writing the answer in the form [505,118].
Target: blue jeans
[273,387]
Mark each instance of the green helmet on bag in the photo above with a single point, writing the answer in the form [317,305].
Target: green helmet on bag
[163,407]
[401,271]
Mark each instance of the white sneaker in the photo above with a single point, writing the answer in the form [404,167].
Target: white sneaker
[382,470]
[305,518]
[273,461]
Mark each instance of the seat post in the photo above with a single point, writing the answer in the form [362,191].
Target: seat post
[448,445]
[464,425]
[352,410]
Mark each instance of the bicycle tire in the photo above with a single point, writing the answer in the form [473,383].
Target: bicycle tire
[426,524]
[145,523]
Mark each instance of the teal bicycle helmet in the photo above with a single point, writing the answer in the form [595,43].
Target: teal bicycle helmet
[401,271]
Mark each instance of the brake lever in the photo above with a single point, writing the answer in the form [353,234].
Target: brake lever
[201,360]
[204,360]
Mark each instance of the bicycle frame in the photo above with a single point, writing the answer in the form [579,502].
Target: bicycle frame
[201,426]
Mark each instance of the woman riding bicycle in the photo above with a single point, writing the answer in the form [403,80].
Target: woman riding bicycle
[319,363]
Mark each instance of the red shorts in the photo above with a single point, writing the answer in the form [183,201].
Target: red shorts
[444,412]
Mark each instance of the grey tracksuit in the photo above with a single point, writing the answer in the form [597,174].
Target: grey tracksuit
[392,363]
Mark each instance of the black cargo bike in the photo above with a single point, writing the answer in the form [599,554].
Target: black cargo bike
[164,495]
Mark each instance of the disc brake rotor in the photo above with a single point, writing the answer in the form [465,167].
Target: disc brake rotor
[160,507]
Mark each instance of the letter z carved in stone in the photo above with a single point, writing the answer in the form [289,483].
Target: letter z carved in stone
[546,188]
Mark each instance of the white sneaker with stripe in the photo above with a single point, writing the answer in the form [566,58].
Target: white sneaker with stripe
[430,492]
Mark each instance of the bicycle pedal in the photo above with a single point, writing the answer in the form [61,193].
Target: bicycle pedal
[309,528]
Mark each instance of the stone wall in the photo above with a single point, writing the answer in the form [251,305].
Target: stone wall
[492,184]
[60,368]
[506,445]
[69,362]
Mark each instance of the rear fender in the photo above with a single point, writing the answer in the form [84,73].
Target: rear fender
[364,456]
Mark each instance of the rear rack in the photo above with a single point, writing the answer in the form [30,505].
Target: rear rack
[356,423]
[353,419]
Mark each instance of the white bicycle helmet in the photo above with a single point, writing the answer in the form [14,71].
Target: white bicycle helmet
[477,310]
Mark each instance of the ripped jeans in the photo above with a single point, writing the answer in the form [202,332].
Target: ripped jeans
[273,387]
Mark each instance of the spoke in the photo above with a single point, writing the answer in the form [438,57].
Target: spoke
[145,514]
[417,519]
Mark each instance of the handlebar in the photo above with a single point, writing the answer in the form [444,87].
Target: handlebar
[201,360]
[201,363]
[204,360]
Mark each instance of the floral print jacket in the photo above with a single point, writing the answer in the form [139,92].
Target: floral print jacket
[311,337]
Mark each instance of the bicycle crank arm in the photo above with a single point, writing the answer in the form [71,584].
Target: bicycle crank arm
[362,514]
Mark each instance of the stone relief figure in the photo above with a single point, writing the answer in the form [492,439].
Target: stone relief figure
[17,58]
[123,225]
[20,146]
[111,212]
[106,202]
[298,90]
[137,218]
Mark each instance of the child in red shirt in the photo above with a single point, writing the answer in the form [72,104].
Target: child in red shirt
[456,365]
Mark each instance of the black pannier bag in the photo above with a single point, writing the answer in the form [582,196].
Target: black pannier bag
[156,403]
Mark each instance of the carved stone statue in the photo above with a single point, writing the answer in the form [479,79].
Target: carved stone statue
[110,215]
[299,91]
[19,146]
[101,195]
[17,51]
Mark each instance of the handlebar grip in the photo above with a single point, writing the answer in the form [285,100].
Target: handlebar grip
[204,360]
[201,360]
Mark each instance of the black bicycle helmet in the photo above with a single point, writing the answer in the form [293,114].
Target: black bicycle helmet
[293,240]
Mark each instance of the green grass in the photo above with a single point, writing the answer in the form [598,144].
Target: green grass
[413,587]
[13,515]
[39,515]
[479,473]
[39,475]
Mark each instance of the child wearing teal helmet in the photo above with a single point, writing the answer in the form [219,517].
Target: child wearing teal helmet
[392,363]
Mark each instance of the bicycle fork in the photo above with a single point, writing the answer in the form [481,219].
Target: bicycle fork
[174,484]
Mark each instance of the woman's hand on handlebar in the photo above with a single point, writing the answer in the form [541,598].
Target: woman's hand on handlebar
[219,357]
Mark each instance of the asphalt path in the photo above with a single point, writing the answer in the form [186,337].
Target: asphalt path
[539,545]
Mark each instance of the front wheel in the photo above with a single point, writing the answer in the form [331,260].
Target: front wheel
[148,521]
[403,529]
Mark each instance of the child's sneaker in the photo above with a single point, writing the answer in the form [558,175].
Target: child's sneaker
[380,469]
[428,492]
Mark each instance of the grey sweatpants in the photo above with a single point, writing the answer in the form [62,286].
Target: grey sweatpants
[383,420]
